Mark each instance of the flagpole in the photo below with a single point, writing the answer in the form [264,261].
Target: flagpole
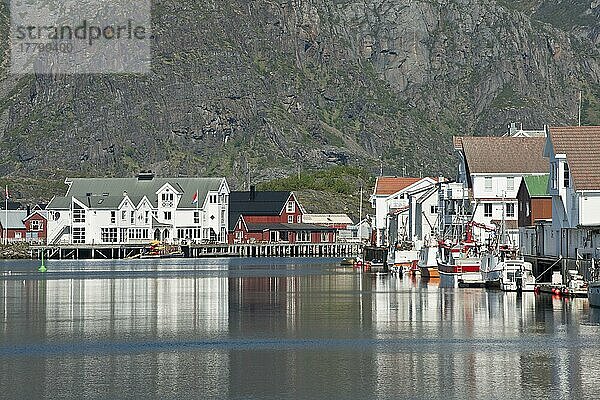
[6,215]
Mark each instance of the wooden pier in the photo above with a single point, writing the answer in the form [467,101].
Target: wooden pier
[132,251]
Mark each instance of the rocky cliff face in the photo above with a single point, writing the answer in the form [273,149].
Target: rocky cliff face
[255,88]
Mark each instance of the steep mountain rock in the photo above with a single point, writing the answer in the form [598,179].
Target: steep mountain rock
[254,89]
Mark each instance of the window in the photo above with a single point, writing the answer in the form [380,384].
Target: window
[324,237]
[18,235]
[566,176]
[510,183]
[299,219]
[132,217]
[78,235]
[108,235]
[147,217]
[78,214]
[274,236]
[290,219]
[167,199]
[196,217]
[510,210]
[487,210]
[167,215]
[303,236]
[488,183]
[291,207]
[123,215]
[553,175]
[36,225]
[434,209]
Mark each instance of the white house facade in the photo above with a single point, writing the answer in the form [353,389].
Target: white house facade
[574,158]
[138,210]
[397,202]
[491,170]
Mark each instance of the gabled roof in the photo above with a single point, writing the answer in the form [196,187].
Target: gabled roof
[101,202]
[42,213]
[255,203]
[12,205]
[14,217]
[510,155]
[59,203]
[386,185]
[581,145]
[537,185]
[138,188]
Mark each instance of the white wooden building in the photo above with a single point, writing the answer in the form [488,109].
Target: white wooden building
[491,170]
[140,209]
[574,164]
[402,210]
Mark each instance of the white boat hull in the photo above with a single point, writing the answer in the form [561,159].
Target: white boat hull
[457,279]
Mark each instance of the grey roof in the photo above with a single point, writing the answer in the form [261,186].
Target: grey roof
[15,219]
[101,202]
[108,192]
[59,203]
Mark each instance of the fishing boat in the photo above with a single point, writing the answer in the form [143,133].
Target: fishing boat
[503,269]
[402,261]
[428,262]
[459,265]
[516,276]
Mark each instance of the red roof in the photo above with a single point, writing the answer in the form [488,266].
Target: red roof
[387,185]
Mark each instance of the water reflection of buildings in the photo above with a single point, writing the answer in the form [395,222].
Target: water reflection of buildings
[468,343]
[144,313]
[406,337]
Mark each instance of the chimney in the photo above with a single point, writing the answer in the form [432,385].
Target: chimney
[28,210]
[252,192]
[145,175]
[513,129]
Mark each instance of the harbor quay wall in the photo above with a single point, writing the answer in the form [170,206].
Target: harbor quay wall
[87,252]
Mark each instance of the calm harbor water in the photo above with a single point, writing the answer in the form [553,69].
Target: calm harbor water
[282,329]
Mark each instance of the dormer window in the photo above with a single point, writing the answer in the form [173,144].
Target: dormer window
[291,207]
[167,199]
[566,176]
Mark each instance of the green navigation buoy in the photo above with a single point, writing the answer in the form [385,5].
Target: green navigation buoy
[42,267]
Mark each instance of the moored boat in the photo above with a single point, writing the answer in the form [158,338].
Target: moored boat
[459,265]
[428,262]
[516,276]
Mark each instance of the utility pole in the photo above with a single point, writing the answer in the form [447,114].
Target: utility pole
[360,214]
[579,112]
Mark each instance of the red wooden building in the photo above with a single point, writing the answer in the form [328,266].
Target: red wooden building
[535,203]
[18,226]
[272,217]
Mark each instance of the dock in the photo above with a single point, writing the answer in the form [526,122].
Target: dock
[131,251]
